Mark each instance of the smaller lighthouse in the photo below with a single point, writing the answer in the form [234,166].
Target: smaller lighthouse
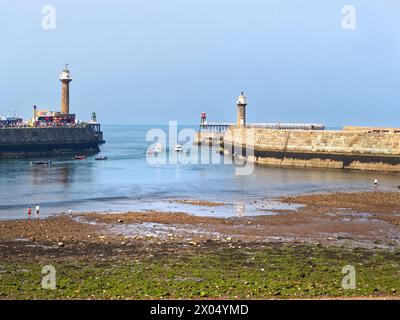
[241,111]
[65,78]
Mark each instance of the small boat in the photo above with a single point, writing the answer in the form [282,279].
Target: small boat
[159,148]
[80,157]
[43,163]
[101,158]
[178,148]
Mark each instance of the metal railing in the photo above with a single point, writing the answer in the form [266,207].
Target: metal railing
[223,127]
[287,126]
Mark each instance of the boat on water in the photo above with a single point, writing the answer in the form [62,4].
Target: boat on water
[157,149]
[178,148]
[100,158]
[42,163]
[80,157]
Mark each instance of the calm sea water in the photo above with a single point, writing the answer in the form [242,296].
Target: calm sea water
[128,182]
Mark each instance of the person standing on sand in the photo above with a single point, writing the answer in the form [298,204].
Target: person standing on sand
[37,211]
[376,183]
[29,212]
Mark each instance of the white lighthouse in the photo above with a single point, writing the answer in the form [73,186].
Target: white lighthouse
[65,78]
[241,111]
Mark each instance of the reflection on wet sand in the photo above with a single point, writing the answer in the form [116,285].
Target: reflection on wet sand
[240,209]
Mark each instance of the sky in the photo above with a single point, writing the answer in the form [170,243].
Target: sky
[152,61]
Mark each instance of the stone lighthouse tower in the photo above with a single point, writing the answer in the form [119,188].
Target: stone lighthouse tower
[65,78]
[241,111]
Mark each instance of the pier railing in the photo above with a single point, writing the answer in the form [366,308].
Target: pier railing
[52,125]
[223,127]
[287,126]
[215,127]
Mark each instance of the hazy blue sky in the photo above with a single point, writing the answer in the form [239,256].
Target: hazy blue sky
[151,61]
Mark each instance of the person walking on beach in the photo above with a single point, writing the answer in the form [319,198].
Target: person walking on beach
[37,211]
[29,212]
[376,183]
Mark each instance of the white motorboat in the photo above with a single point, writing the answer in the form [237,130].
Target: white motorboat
[178,148]
[159,148]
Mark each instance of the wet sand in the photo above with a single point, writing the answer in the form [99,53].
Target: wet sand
[369,220]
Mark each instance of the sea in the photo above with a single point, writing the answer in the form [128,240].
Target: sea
[131,179]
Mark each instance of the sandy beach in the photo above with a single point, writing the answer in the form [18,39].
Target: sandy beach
[333,226]
[369,219]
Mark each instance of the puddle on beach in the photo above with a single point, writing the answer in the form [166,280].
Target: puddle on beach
[252,207]
[158,230]
[198,207]
[358,217]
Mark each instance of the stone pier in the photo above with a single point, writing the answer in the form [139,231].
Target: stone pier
[372,149]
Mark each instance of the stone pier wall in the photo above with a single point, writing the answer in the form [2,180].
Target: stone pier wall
[20,142]
[348,149]
[209,138]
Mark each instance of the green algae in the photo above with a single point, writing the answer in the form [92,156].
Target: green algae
[251,272]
